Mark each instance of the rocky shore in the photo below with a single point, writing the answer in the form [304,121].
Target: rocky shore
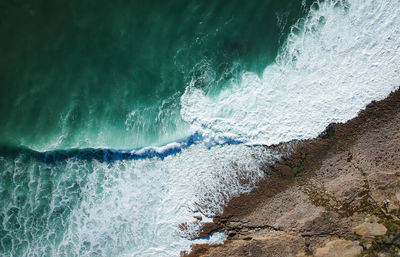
[336,195]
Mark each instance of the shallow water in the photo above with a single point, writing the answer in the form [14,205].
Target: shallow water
[207,83]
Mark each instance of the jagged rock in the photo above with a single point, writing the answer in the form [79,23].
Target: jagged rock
[198,217]
[272,244]
[344,178]
[340,247]
[235,224]
[231,233]
[207,229]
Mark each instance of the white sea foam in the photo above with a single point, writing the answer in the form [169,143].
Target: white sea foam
[127,208]
[340,57]
[336,60]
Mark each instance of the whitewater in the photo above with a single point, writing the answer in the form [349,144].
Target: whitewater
[338,58]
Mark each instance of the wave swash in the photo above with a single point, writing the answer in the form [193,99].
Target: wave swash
[337,59]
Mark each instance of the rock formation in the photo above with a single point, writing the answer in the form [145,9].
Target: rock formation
[336,195]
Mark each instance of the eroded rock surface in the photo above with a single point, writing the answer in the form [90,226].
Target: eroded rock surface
[340,247]
[327,198]
[370,229]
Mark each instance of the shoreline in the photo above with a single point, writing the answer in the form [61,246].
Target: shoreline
[325,197]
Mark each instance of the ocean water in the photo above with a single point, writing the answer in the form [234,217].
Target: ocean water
[122,121]
[110,75]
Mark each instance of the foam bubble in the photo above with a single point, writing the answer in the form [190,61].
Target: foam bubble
[142,207]
[336,60]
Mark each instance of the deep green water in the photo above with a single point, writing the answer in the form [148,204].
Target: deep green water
[216,80]
[110,74]
[101,73]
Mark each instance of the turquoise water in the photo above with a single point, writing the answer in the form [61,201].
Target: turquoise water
[122,121]
[101,74]
[110,74]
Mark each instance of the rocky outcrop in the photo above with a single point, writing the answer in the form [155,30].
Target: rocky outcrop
[337,195]
[339,247]
[370,228]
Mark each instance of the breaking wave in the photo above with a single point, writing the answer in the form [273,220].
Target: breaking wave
[336,60]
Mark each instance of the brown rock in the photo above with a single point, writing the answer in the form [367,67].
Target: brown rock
[339,248]
[323,190]
[284,170]
[370,229]
[274,244]
[398,196]
[207,229]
